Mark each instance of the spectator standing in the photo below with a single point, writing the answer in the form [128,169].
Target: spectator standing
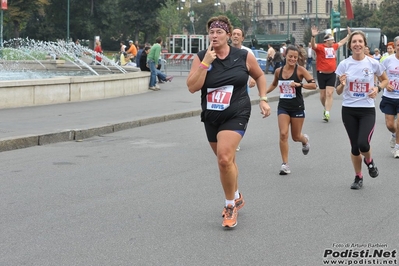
[326,63]
[309,57]
[356,77]
[277,60]
[270,55]
[152,61]
[139,53]
[98,53]
[282,52]
[389,104]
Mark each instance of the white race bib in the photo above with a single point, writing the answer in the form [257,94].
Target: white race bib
[286,91]
[330,52]
[218,99]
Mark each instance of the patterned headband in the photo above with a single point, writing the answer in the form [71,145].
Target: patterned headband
[219,24]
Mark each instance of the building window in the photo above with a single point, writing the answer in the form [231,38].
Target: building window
[329,6]
[373,6]
[281,26]
[309,7]
[282,8]
[294,7]
[270,8]
[294,26]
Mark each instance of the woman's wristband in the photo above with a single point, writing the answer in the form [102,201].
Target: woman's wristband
[205,64]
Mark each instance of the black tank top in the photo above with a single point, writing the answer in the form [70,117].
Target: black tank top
[296,103]
[229,71]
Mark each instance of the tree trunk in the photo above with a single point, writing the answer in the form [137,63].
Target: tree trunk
[16,29]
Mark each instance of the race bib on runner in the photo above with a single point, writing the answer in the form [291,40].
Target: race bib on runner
[286,91]
[218,99]
[330,52]
[358,89]
[395,85]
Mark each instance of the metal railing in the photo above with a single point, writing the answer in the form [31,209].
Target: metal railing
[177,63]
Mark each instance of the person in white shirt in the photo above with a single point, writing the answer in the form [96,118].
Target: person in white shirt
[356,77]
[389,104]
[237,38]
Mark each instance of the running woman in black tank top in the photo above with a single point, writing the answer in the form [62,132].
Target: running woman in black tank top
[291,107]
[221,74]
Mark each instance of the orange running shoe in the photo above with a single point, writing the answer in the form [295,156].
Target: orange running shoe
[240,202]
[230,216]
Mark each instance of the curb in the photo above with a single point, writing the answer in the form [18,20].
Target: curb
[21,142]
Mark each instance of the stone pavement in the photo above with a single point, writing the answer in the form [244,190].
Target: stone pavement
[39,125]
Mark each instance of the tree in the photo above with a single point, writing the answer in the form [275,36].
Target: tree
[20,12]
[241,10]
[389,22]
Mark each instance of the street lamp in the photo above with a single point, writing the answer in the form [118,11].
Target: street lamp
[180,8]
[254,17]
[288,20]
[191,12]
[67,37]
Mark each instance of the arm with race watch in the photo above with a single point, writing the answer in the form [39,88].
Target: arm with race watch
[383,82]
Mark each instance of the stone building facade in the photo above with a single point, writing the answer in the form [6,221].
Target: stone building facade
[291,17]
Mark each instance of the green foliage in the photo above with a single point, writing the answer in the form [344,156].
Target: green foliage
[388,18]
[18,54]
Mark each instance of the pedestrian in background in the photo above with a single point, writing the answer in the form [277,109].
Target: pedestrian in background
[356,78]
[270,55]
[152,62]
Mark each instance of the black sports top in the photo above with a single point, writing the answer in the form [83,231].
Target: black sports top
[290,100]
[231,72]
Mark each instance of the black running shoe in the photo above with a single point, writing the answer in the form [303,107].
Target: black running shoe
[373,170]
[358,183]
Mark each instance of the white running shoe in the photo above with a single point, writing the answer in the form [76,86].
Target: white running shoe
[238,148]
[392,142]
[395,153]
[306,147]
[285,169]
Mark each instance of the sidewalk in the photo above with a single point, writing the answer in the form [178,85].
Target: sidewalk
[40,125]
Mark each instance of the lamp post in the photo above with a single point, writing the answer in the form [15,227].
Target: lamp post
[191,12]
[67,37]
[180,8]
[254,17]
[217,4]
[288,20]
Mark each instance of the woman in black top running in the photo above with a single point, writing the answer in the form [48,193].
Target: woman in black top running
[291,107]
[221,74]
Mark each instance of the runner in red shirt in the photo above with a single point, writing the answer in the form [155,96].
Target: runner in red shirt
[326,63]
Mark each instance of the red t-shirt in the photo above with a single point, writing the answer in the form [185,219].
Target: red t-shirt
[326,60]
[98,50]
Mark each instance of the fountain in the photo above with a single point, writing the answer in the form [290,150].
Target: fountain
[38,72]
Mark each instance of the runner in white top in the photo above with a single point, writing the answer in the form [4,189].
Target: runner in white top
[356,77]
[389,104]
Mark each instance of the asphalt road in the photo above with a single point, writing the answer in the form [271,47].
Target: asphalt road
[152,196]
